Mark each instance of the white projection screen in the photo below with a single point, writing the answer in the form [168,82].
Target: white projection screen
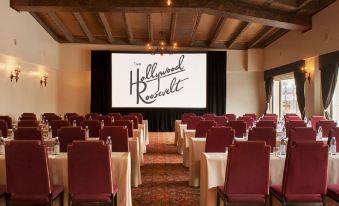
[141,80]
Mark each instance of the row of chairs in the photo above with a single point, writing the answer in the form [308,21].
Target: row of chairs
[300,185]
[28,176]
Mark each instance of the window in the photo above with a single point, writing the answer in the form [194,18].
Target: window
[284,98]
[335,103]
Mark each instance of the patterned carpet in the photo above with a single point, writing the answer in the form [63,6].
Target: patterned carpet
[164,178]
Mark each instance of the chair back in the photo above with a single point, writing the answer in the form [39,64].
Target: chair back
[91,116]
[56,125]
[51,118]
[127,123]
[3,128]
[28,123]
[269,118]
[326,126]
[28,133]
[267,123]
[334,133]
[106,118]
[69,114]
[315,120]
[208,116]
[231,117]
[254,116]
[28,114]
[218,138]
[186,116]
[290,115]
[266,134]
[93,127]
[27,168]
[249,120]
[291,118]
[203,127]
[292,124]
[119,137]
[193,122]
[220,120]
[304,160]
[69,134]
[134,119]
[89,159]
[238,126]
[302,134]
[240,161]
[116,116]
[27,118]
[139,115]
[78,120]
[8,120]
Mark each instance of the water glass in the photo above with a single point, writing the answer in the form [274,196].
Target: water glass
[226,149]
[276,151]
[50,150]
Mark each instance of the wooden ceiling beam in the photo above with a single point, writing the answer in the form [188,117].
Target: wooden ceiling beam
[274,37]
[83,26]
[44,25]
[55,19]
[232,9]
[174,18]
[241,28]
[259,37]
[217,31]
[104,22]
[150,28]
[195,27]
[128,27]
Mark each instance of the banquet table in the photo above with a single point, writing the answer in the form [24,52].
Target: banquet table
[176,131]
[180,143]
[57,164]
[145,123]
[213,167]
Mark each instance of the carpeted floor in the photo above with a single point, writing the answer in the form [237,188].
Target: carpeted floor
[164,178]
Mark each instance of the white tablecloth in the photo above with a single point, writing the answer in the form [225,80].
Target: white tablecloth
[121,169]
[176,131]
[213,167]
[180,144]
[145,123]
[188,134]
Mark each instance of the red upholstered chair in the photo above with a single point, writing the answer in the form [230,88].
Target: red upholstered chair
[185,117]
[203,127]
[127,123]
[193,122]
[139,115]
[292,124]
[51,118]
[27,174]
[107,119]
[77,119]
[208,116]
[69,134]
[254,116]
[333,192]
[218,138]
[271,115]
[269,118]
[2,190]
[326,126]
[116,116]
[56,125]
[133,118]
[28,114]
[292,118]
[266,134]
[267,123]
[28,123]
[8,120]
[91,116]
[238,126]
[249,120]
[290,115]
[304,160]
[315,120]
[32,118]
[3,128]
[94,127]
[242,186]
[68,115]
[231,117]
[90,173]
[334,133]
[28,133]
[302,134]
[49,114]
[119,137]
[220,120]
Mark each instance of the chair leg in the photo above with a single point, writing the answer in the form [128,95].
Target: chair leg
[267,200]
[115,199]
[69,200]
[324,199]
[62,199]
[271,199]
[218,200]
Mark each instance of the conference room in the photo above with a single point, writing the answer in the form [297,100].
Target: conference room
[165,103]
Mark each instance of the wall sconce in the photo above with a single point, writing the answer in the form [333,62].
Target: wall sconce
[43,79]
[16,72]
[307,72]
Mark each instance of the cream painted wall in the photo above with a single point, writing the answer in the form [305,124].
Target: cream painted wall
[294,46]
[24,42]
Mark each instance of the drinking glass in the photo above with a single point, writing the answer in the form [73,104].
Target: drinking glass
[226,150]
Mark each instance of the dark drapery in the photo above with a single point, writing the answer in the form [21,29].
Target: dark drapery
[160,119]
[329,65]
[299,79]
[268,90]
